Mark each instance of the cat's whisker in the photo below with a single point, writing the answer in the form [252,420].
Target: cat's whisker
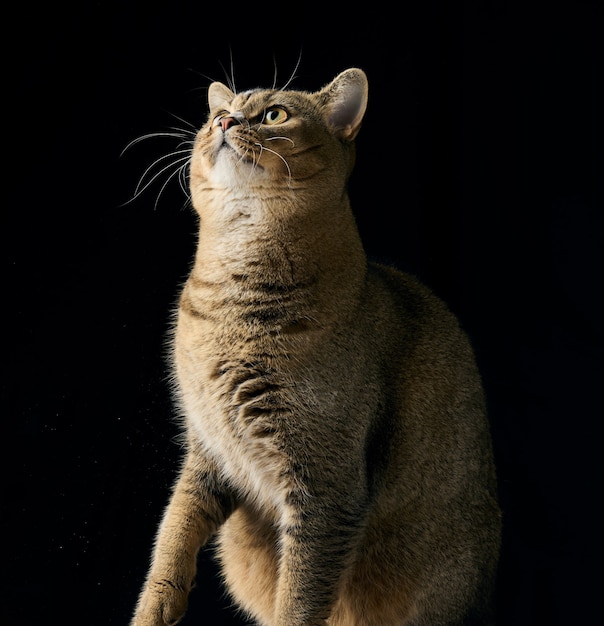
[274,72]
[183,134]
[284,138]
[289,172]
[293,74]
[255,157]
[230,77]
[183,180]
[193,129]
[140,186]
[178,172]
[255,161]
[143,186]
[179,159]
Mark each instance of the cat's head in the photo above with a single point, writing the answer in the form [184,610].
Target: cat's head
[283,139]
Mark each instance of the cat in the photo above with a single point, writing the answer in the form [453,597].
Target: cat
[338,453]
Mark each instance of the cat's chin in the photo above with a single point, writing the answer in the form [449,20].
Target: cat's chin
[233,170]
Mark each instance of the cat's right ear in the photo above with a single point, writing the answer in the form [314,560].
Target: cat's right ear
[219,96]
[346,102]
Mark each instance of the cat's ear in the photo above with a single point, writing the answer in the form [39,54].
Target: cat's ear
[219,96]
[346,102]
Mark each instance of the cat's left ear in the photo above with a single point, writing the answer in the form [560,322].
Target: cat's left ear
[219,96]
[346,102]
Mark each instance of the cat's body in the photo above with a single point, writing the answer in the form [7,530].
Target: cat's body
[336,435]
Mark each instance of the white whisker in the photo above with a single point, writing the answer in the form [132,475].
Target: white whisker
[183,181]
[192,128]
[177,172]
[184,134]
[163,169]
[142,187]
[293,74]
[274,72]
[276,154]
[230,78]
[284,139]
[176,167]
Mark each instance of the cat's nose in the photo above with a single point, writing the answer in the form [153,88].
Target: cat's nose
[227,122]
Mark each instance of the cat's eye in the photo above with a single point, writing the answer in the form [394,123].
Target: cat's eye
[275,115]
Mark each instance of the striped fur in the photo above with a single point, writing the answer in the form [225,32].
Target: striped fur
[337,446]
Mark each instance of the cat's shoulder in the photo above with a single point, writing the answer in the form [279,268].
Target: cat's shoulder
[411,297]
[398,281]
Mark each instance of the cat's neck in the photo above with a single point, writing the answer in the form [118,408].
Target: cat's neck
[239,230]
[252,243]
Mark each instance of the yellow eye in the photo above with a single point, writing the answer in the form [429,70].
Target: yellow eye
[275,115]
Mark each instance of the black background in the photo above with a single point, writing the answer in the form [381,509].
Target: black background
[480,169]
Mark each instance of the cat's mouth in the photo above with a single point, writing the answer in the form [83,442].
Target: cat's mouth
[242,155]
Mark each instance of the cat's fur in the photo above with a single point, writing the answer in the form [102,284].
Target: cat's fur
[337,445]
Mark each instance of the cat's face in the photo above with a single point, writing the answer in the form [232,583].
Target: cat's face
[285,140]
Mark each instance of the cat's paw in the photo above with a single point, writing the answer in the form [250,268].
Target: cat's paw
[162,603]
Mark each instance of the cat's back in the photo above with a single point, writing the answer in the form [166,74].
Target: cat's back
[405,313]
[433,395]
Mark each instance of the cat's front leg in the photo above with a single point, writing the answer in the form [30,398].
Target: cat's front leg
[317,542]
[199,505]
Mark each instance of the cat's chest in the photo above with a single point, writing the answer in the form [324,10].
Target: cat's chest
[241,412]
[255,370]
[232,373]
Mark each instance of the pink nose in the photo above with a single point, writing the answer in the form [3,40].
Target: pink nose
[227,122]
